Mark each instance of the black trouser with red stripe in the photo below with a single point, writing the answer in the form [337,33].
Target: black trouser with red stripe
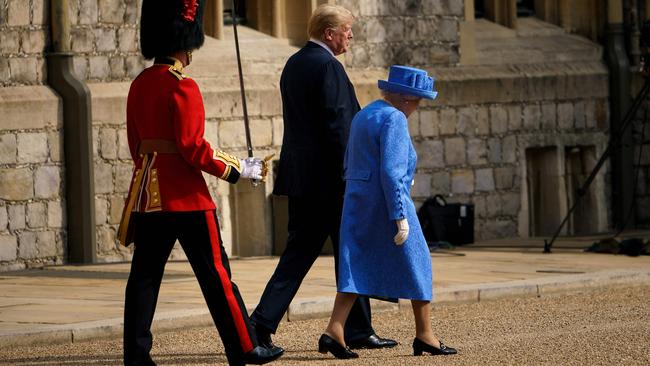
[198,233]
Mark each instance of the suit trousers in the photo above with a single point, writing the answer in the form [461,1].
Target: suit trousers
[198,234]
[311,221]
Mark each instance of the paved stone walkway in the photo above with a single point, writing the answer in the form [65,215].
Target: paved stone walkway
[72,303]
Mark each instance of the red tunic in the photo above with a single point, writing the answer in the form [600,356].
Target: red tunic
[164,104]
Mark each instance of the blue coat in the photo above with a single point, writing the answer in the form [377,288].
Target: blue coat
[379,166]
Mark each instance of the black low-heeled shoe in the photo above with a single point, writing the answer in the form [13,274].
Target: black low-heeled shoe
[326,343]
[419,347]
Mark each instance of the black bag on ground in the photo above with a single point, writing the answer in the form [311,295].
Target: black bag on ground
[450,222]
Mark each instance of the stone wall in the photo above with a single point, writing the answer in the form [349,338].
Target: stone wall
[472,140]
[413,32]
[104,38]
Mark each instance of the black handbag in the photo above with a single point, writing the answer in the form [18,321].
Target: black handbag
[447,222]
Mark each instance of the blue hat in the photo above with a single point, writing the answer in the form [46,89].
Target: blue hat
[409,81]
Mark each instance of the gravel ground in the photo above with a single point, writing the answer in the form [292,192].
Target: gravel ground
[606,326]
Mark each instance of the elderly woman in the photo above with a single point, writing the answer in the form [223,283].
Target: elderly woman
[383,252]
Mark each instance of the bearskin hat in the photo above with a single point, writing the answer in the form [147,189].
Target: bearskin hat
[169,26]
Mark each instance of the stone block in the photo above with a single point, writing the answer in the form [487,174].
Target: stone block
[448,121]
[95,134]
[410,29]
[105,239]
[17,13]
[5,73]
[498,119]
[429,123]
[36,214]
[453,7]
[16,184]
[548,116]
[108,143]
[24,70]
[105,39]
[514,117]
[80,64]
[9,42]
[88,13]
[448,30]
[394,30]
[455,152]
[46,243]
[32,147]
[476,152]
[8,149]
[101,210]
[231,135]
[462,181]
[422,186]
[510,204]
[579,115]
[467,121]
[127,39]
[430,154]
[103,178]
[33,41]
[123,151]
[116,208]
[375,31]
[482,121]
[123,175]
[134,66]
[440,183]
[27,245]
[16,217]
[504,177]
[56,214]
[602,113]
[278,131]
[55,143]
[497,229]
[4,218]
[47,182]
[532,117]
[82,40]
[565,116]
[99,67]
[109,104]
[8,248]
[494,150]
[111,11]
[480,207]
[484,179]
[509,149]
[590,114]
[493,205]
[41,12]
[132,11]
[118,71]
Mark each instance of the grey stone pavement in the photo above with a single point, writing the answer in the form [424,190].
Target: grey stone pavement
[62,304]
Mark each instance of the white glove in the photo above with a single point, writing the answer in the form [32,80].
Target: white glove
[402,231]
[251,168]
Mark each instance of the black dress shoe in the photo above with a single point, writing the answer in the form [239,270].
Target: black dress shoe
[419,347]
[264,338]
[326,343]
[261,355]
[372,341]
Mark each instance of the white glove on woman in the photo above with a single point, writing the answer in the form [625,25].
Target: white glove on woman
[251,168]
[402,231]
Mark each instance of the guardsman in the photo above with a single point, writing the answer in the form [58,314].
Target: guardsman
[169,199]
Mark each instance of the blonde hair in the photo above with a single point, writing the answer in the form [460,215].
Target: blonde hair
[327,16]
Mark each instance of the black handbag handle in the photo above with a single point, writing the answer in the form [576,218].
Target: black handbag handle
[439,201]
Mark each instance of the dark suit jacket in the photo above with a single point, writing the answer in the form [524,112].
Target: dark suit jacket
[318,103]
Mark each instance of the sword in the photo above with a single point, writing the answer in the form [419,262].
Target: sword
[249,144]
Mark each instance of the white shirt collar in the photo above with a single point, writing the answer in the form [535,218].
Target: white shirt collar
[322,44]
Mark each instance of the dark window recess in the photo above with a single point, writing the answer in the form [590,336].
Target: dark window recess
[525,8]
[240,5]
[479,9]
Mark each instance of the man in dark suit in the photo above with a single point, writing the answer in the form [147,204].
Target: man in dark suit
[318,105]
